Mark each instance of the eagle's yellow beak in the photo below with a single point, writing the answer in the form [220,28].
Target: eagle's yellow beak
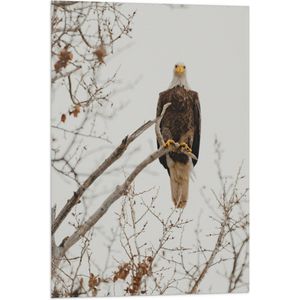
[179,69]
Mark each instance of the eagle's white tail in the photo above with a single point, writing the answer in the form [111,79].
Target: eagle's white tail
[179,178]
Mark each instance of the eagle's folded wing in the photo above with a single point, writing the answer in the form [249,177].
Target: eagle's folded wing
[197,124]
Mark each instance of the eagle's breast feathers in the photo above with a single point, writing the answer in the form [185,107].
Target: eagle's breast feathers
[180,123]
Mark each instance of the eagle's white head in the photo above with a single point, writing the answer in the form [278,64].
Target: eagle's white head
[179,76]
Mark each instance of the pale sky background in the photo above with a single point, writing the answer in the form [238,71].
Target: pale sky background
[212,41]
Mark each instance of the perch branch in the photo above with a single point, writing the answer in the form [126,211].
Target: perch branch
[159,136]
[115,155]
[119,191]
[122,189]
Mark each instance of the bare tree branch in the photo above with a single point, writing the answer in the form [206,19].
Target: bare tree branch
[115,155]
[211,258]
[119,190]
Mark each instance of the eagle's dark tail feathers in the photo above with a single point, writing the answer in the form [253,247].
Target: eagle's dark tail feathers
[179,178]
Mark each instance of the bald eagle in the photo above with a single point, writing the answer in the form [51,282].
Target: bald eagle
[181,123]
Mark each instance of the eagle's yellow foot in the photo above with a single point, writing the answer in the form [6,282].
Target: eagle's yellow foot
[185,147]
[169,143]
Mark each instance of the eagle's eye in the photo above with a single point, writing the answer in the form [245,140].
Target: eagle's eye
[175,66]
[184,67]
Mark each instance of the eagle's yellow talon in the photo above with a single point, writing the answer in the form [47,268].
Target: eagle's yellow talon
[185,147]
[168,143]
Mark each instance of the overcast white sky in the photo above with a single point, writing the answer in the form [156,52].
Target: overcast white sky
[212,41]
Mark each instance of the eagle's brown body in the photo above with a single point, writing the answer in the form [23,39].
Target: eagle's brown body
[180,123]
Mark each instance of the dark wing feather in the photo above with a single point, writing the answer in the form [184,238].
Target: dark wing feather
[197,124]
[161,102]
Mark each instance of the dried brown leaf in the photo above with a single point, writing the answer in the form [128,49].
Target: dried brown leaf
[75,111]
[101,53]
[63,118]
[122,273]
[63,58]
